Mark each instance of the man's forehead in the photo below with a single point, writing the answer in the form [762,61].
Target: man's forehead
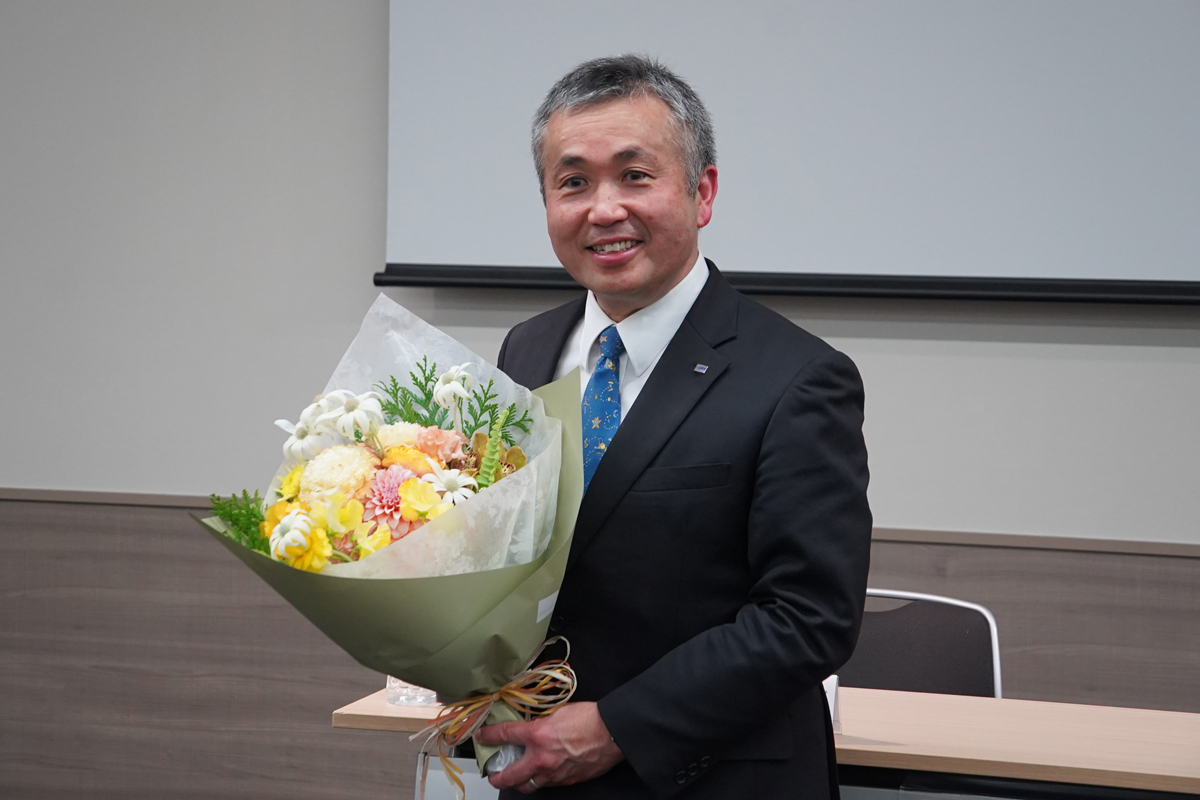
[626,128]
[647,107]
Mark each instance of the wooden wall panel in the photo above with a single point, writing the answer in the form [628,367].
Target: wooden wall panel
[1077,627]
[139,659]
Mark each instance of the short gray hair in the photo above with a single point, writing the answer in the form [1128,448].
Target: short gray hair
[628,77]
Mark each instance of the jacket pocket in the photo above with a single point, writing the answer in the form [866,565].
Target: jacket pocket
[698,476]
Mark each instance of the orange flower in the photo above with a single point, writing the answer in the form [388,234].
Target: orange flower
[408,457]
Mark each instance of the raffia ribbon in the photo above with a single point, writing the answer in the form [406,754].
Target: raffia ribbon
[535,691]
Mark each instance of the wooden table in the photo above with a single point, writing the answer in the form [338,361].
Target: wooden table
[1130,748]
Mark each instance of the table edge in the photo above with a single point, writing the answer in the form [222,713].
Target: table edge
[1018,770]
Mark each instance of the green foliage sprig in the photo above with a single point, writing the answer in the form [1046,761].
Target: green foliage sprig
[416,405]
[401,404]
[481,410]
[241,516]
[510,421]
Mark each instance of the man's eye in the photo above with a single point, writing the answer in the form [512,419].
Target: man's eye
[573,182]
[636,175]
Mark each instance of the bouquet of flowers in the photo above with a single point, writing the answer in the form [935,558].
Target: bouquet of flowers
[363,471]
[423,522]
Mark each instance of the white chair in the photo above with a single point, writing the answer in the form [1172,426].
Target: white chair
[925,643]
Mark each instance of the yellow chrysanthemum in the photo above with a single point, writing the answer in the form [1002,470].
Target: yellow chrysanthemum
[298,543]
[274,515]
[410,458]
[419,500]
[348,469]
[289,489]
[316,556]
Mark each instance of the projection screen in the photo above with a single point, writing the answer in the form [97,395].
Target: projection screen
[924,143]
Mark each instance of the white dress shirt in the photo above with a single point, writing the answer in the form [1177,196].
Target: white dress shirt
[645,334]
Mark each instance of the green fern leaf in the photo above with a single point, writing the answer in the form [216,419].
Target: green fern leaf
[241,516]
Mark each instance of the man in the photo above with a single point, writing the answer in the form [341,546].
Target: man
[719,563]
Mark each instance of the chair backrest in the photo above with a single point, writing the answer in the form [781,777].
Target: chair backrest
[915,642]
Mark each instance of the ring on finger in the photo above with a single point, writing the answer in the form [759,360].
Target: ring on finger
[533,783]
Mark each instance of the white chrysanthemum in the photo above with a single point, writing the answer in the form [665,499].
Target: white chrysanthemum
[451,484]
[348,469]
[398,434]
[290,537]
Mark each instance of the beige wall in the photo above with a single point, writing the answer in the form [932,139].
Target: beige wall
[192,201]
[193,205]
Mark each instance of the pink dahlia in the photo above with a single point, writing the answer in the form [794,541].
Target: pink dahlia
[383,499]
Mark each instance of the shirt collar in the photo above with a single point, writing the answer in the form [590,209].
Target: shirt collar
[646,333]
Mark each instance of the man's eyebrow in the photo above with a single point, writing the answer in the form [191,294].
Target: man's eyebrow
[569,161]
[628,154]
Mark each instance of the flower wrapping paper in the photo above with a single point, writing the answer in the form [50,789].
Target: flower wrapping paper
[461,604]
[506,525]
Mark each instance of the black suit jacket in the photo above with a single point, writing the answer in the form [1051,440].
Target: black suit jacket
[719,563]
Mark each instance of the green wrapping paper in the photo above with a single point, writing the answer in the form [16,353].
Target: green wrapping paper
[459,635]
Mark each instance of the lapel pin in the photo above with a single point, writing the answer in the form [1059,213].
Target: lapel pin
[702,368]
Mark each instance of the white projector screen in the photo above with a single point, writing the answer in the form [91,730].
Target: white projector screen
[941,138]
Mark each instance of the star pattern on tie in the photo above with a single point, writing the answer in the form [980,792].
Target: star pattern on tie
[602,402]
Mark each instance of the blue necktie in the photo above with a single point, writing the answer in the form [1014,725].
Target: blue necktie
[602,403]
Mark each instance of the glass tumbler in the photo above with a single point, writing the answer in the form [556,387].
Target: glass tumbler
[405,694]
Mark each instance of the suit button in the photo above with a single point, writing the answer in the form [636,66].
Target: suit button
[681,777]
[557,623]
[705,762]
[693,769]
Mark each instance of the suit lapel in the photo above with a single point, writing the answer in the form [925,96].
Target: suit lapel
[534,361]
[673,389]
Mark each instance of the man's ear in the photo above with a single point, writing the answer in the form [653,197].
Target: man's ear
[706,193]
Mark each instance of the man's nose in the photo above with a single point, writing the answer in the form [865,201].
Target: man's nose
[608,207]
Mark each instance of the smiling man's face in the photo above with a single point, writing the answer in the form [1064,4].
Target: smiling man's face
[618,211]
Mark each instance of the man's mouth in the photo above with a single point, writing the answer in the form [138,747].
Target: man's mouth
[613,247]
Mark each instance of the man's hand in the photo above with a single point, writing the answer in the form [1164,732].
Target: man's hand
[568,746]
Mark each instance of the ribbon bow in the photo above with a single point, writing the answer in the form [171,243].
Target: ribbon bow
[535,691]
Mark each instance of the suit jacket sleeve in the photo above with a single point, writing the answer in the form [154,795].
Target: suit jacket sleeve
[502,357]
[808,548]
